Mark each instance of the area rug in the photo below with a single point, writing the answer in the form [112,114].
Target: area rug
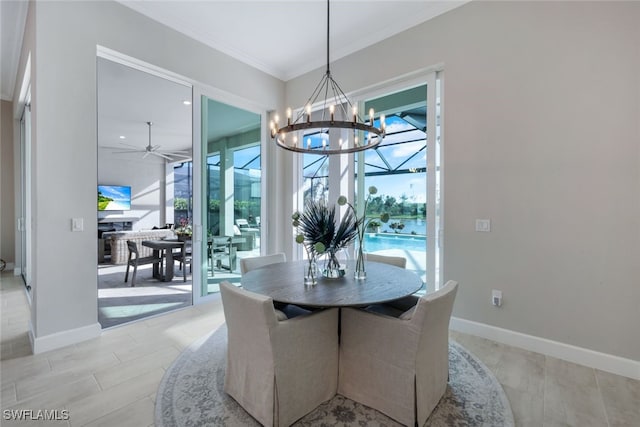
[191,394]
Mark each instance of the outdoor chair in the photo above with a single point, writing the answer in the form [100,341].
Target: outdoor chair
[185,258]
[135,260]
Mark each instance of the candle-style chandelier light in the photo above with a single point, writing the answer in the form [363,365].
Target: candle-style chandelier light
[353,133]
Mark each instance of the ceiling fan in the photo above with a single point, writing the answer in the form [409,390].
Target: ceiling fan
[154,150]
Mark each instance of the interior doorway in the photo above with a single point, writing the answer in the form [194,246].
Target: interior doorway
[144,131]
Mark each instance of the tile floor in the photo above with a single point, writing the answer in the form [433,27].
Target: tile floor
[112,380]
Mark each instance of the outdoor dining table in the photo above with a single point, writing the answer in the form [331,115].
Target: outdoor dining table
[284,283]
[164,248]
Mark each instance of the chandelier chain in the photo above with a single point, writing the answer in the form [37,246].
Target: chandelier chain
[355,134]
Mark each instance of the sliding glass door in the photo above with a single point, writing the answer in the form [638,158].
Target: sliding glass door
[231,191]
[24,221]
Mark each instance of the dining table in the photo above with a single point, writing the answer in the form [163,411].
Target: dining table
[165,249]
[284,283]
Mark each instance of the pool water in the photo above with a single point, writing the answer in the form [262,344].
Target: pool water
[380,241]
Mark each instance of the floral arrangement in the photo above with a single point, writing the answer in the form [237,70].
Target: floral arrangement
[320,233]
[362,224]
[185,228]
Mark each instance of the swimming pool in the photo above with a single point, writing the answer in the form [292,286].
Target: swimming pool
[381,241]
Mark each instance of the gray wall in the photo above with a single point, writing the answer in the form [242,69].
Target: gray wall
[64,126]
[7,205]
[542,136]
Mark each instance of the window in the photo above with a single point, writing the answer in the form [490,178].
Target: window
[405,168]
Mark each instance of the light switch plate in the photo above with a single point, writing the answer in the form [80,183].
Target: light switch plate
[483,225]
[77,224]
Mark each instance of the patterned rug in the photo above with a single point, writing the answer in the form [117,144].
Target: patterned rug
[191,394]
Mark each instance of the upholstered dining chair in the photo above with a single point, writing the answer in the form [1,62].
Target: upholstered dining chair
[398,261]
[397,307]
[248,264]
[399,366]
[278,370]
[135,260]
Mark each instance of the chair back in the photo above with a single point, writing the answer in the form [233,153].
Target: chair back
[431,316]
[242,223]
[250,318]
[245,312]
[398,261]
[133,248]
[248,264]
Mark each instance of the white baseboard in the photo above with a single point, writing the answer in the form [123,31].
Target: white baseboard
[583,356]
[64,338]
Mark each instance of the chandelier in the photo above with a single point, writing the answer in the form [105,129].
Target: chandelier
[353,133]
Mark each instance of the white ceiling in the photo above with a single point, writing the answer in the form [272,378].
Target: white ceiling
[129,98]
[283,38]
[288,38]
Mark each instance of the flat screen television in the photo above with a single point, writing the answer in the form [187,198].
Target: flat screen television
[114,198]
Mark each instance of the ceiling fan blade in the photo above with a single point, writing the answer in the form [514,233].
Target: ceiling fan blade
[111,147]
[144,156]
[159,154]
[126,152]
[124,144]
[176,154]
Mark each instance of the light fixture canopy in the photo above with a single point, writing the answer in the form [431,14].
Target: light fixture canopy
[354,134]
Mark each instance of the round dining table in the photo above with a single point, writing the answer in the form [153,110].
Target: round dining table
[284,283]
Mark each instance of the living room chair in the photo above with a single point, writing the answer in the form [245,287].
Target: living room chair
[248,264]
[399,366]
[278,370]
[135,260]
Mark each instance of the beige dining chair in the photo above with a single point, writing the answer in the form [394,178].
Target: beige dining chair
[248,264]
[398,261]
[399,366]
[278,370]
[397,307]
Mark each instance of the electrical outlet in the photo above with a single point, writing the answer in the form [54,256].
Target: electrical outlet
[483,225]
[496,298]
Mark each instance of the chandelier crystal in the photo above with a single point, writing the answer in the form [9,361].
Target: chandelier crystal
[341,128]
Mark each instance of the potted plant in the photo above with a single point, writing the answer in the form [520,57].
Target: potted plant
[184,231]
[321,230]
[373,226]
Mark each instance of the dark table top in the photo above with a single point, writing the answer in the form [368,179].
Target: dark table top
[284,283]
[163,244]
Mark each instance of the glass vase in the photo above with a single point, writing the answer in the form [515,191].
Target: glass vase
[311,273]
[332,268]
[360,273]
